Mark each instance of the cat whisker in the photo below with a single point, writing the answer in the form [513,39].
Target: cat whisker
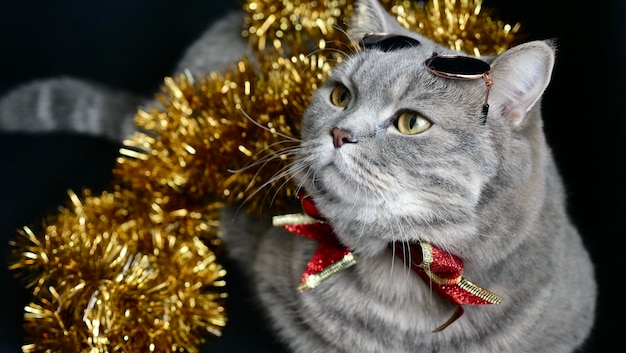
[408,239]
[282,154]
[272,131]
[272,155]
[260,161]
[406,252]
[353,44]
[343,48]
[300,185]
[330,50]
[313,178]
[338,47]
[288,175]
[283,173]
[280,174]
[286,172]
[287,179]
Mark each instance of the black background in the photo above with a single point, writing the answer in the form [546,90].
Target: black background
[134,44]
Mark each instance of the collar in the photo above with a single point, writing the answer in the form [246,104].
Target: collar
[442,271]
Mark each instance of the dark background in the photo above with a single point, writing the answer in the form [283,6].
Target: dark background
[134,44]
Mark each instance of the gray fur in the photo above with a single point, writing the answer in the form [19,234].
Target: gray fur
[69,105]
[489,193]
[75,105]
[217,48]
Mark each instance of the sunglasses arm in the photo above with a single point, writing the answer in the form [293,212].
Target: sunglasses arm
[488,83]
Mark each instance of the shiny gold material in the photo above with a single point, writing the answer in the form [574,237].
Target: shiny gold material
[134,269]
[118,272]
[484,294]
[427,259]
[293,218]
[462,282]
[463,25]
[304,26]
[313,280]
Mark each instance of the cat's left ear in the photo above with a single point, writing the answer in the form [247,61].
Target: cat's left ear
[371,17]
[520,76]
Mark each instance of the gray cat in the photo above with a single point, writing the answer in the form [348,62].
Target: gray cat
[413,161]
[398,155]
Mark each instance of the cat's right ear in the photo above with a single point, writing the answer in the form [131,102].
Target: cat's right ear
[371,17]
[520,77]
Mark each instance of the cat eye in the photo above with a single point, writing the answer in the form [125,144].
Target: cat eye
[462,68]
[340,96]
[411,123]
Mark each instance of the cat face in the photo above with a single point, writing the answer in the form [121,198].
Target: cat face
[388,145]
[392,152]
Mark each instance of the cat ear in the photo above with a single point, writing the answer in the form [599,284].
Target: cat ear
[371,17]
[520,76]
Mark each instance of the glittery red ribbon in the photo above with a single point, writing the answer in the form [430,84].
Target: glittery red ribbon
[329,252]
[442,271]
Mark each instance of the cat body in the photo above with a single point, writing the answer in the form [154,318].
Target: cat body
[485,189]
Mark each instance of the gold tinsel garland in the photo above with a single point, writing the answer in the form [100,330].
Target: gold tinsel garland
[134,269]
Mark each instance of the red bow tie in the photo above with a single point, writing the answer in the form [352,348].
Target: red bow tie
[441,270]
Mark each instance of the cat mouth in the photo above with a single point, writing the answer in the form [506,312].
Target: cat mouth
[330,179]
[317,184]
[338,190]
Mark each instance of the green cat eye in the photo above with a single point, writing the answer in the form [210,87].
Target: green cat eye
[340,96]
[411,123]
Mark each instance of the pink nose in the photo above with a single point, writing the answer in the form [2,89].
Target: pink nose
[341,136]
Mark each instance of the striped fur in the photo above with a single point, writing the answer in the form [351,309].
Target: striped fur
[76,105]
[487,192]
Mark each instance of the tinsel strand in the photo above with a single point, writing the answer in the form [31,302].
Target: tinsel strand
[135,269]
[101,268]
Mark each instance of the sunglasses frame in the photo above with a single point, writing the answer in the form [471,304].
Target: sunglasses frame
[386,42]
[483,74]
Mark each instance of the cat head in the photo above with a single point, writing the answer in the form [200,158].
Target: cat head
[392,151]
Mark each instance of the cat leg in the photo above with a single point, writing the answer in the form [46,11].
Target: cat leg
[70,106]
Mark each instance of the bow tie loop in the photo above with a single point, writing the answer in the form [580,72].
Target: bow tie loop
[308,206]
[442,271]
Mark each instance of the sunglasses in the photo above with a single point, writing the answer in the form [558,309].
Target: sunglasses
[462,68]
[387,42]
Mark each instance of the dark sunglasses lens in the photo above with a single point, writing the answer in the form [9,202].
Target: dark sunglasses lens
[458,65]
[388,42]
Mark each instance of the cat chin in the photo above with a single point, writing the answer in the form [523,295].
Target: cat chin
[367,234]
[332,189]
[368,224]
[368,247]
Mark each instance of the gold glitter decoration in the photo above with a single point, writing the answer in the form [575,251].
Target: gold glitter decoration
[304,26]
[107,278]
[462,25]
[295,26]
[243,120]
[134,269]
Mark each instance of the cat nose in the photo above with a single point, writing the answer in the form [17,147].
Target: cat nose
[341,136]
